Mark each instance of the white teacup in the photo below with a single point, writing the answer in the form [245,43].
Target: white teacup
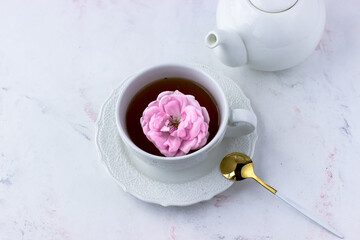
[233,122]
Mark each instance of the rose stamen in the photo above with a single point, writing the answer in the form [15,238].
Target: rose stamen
[174,122]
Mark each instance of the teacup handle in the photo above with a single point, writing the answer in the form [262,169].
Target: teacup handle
[241,122]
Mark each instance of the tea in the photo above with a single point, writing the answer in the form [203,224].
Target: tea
[150,92]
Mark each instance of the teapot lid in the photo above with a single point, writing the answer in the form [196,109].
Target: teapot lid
[273,6]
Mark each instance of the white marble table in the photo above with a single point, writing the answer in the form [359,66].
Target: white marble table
[59,61]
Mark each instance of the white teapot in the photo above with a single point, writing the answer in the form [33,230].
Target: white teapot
[267,35]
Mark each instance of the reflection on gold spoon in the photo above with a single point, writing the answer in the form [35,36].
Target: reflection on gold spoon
[238,166]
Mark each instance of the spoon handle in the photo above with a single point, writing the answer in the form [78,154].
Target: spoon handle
[308,214]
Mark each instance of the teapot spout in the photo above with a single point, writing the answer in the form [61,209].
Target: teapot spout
[228,46]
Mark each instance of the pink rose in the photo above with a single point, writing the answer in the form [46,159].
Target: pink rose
[175,123]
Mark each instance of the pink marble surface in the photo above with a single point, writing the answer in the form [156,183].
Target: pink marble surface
[59,60]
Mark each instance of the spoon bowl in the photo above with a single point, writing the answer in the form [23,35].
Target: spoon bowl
[232,164]
[239,166]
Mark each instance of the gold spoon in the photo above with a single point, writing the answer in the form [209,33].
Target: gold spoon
[238,166]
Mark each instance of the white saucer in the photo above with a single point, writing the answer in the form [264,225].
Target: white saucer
[119,161]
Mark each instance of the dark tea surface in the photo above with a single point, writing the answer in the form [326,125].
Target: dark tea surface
[150,92]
